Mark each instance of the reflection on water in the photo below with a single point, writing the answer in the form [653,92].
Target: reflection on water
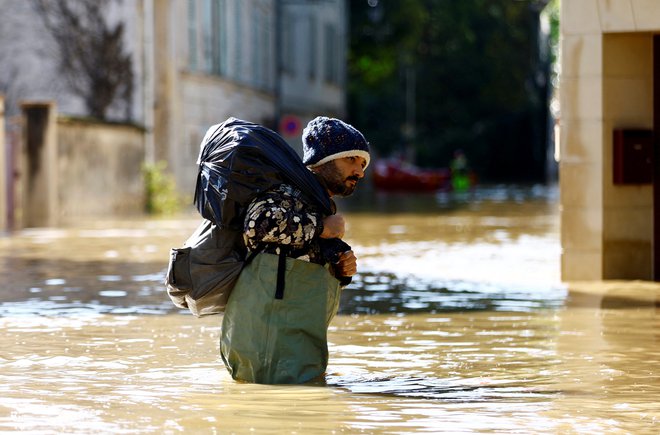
[457,322]
[409,262]
[373,293]
[574,370]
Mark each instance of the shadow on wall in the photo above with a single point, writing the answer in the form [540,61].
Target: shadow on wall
[74,168]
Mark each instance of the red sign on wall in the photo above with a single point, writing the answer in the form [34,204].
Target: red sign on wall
[290,126]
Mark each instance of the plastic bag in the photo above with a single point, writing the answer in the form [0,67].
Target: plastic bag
[237,161]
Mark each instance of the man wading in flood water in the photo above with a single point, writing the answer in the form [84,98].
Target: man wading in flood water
[275,324]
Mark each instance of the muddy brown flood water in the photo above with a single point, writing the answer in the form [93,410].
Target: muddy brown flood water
[457,323]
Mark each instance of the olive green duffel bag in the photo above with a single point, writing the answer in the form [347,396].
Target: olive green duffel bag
[274,329]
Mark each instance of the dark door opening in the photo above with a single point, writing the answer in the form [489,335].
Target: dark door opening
[38,167]
[656,158]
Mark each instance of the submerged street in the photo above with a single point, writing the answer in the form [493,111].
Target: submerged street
[457,321]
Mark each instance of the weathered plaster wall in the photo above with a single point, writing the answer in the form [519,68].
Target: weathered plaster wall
[580,171]
[207,101]
[4,171]
[99,170]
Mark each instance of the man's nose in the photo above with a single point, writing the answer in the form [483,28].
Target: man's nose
[359,171]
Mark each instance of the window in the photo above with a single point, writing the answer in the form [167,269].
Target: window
[232,38]
[289,43]
[261,47]
[238,37]
[192,35]
[257,48]
[207,36]
[268,51]
[312,48]
[331,68]
[220,60]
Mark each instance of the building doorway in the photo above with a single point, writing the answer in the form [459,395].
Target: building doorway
[656,158]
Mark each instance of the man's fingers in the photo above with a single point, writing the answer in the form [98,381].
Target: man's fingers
[347,264]
[347,255]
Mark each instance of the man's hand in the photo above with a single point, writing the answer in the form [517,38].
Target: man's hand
[347,264]
[333,227]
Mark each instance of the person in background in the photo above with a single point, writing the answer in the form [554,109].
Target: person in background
[460,176]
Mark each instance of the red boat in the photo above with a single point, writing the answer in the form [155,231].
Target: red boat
[394,175]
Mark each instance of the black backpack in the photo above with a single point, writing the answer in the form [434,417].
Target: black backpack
[238,160]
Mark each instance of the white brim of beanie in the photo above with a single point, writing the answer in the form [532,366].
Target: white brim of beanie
[341,155]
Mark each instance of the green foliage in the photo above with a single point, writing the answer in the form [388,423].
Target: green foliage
[479,78]
[552,13]
[160,190]
[552,10]
[383,38]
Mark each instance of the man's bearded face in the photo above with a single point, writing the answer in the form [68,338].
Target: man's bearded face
[338,182]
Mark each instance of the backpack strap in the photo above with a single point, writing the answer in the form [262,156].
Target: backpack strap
[281,270]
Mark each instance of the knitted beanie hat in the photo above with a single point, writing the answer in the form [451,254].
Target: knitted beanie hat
[326,139]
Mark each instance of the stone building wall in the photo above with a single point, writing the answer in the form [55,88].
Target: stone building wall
[606,83]
[99,170]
